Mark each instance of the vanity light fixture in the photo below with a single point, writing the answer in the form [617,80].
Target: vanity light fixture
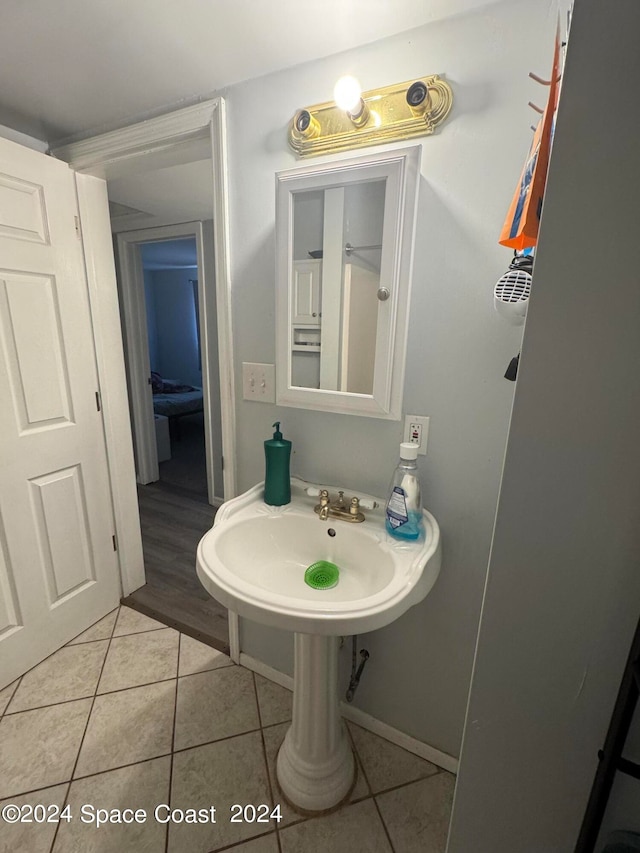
[355,119]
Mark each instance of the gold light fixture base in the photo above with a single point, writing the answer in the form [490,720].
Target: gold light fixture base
[414,108]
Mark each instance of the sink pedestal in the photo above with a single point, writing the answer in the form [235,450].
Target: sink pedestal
[316,768]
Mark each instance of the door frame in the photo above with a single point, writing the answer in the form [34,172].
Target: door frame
[199,128]
[137,347]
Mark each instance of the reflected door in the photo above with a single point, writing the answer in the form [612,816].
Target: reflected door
[58,568]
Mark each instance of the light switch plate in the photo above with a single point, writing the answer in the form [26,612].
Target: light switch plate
[259,382]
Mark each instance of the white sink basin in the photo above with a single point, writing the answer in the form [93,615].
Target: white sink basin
[254,558]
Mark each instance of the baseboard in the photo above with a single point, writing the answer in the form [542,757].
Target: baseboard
[361,718]
[267,671]
[411,744]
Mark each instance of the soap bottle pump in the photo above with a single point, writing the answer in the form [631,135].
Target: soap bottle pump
[277,481]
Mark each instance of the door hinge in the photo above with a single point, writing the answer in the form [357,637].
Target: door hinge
[115,542]
[77,222]
[98,402]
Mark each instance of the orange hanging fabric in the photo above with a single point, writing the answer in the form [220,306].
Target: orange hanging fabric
[520,229]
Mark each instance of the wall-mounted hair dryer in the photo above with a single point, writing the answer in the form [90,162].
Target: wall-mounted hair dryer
[512,290]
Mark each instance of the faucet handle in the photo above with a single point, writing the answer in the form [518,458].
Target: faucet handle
[355,512]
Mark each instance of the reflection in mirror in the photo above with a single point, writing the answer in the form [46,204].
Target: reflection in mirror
[336,263]
[345,234]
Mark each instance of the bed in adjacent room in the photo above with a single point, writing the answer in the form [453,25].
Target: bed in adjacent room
[174,400]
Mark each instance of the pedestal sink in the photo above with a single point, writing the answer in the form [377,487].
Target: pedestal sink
[254,560]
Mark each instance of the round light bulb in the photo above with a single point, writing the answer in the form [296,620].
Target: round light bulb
[347,94]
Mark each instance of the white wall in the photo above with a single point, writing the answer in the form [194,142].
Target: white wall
[563,591]
[418,675]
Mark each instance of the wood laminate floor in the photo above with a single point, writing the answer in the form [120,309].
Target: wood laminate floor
[173,522]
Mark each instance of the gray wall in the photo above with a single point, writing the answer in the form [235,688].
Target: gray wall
[418,676]
[563,589]
[175,328]
[150,311]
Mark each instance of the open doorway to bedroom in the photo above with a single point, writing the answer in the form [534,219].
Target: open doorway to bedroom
[169,317]
[170,271]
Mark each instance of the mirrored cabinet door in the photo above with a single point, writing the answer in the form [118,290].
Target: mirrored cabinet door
[344,249]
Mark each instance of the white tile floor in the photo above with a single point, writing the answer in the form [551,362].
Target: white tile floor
[131,715]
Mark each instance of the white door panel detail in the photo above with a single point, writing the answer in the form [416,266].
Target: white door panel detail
[58,570]
[22,210]
[9,608]
[34,349]
[62,528]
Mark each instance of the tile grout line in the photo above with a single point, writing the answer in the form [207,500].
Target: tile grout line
[88,776]
[236,844]
[153,757]
[366,779]
[384,825]
[410,782]
[18,681]
[90,695]
[173,741]
[70,644]
[359,762]
[93,701]
[102,639]
[35,666]
[266,761]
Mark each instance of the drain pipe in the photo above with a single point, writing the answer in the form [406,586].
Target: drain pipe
[356,673]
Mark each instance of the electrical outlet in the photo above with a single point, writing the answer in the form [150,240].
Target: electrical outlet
[259,382]
[416,431]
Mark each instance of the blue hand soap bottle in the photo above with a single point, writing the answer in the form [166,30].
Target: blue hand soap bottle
[404,507]
[277,480]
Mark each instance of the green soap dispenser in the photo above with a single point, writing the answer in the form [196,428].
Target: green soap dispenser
[277,481]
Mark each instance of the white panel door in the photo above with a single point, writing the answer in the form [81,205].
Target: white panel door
[306,292]
[58,569]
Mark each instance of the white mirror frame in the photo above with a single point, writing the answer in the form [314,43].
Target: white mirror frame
[401,169]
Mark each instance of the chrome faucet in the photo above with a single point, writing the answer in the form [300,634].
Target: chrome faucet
[339,508]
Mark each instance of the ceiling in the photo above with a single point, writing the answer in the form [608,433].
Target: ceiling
[174,194]
[74,68]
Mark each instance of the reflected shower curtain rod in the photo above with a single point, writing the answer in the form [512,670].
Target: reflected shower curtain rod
[349,248]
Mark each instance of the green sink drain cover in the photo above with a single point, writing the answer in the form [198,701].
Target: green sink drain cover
[322,575]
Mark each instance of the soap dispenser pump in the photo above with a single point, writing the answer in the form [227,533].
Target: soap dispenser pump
[277,481]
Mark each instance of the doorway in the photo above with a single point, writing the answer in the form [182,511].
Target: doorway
[169,313]
[170,272]
[185,138]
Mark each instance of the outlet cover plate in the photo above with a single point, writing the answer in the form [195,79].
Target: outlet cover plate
[422,421]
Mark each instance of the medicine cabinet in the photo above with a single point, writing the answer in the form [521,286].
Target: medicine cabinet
[344,249]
